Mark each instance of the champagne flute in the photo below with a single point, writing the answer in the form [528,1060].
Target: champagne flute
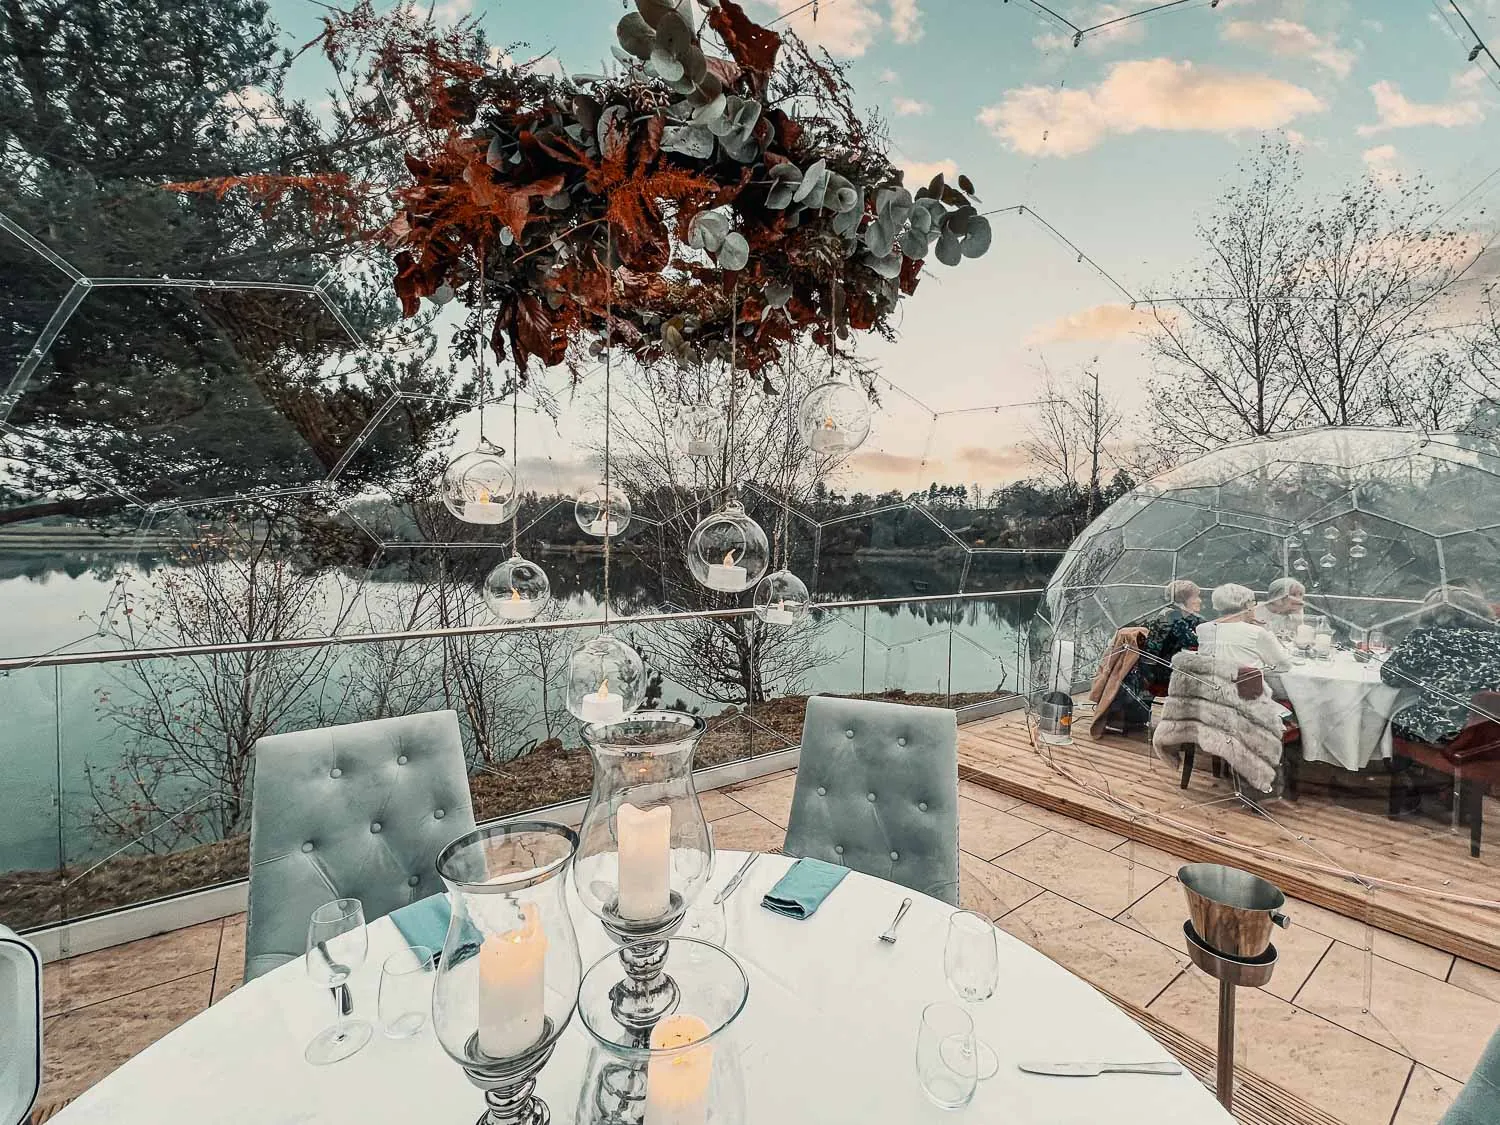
[971,961]
[336,945]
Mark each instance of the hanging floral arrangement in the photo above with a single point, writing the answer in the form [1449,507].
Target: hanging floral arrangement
[718,171]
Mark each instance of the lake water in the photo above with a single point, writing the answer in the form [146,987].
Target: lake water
[60,723]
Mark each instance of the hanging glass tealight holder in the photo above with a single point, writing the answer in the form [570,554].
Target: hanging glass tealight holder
[728,551]
[517,590]
[1357,551]
[834,418]
[1299,564]
[606,680]
[699,430]
[480,486]
[781,598]
[1328,561]
[602,510]
[1331,533]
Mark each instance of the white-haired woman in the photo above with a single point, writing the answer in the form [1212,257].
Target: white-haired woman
[1236,638]
[1282,610]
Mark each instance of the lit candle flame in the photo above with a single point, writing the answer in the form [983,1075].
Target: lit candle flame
[484,496]
[781,604]
[729,558]
[515,595]
[828,423]
[604,688]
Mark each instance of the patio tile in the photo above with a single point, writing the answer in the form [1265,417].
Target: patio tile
[772,799]
[123,969]
[1428,1096]
[1147,856]
[1436,1023]
[84,1045]
[987,832]
[1099,880]
[1352,931]
[1099,837]
[717,804]
[986,796]
[990,890]
[1115,958]
[1340,1072]
[748,831]
[1481,980]
[230,972]
[1161,914]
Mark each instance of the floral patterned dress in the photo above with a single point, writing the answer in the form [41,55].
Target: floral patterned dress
[1166,636]
[1447,664]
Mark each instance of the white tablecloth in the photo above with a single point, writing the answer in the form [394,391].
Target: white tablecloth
[1343,708]
[828,1035]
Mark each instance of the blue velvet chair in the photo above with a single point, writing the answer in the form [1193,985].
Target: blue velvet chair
[357,811]
[1478,1103]
[20,1027]
[877,791]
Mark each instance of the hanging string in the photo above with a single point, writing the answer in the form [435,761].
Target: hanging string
[609,315]
[788,472]
[515,467]
[484,377]
[734,299]
[833,318]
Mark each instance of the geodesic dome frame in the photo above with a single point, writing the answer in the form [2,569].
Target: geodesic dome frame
[1376,518]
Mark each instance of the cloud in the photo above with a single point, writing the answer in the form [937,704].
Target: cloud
[1395,111]
[922,171]
[1161,93]
[1383,163]
[1099,322]
[909,107]
[888,75]
[846,27]
[906,21]
[1125,31]
[1289,39]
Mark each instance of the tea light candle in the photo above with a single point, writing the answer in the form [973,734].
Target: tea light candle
[677,1085]
[602,525]
[515,607]
[645,861]
[1323,644]
[482,510]
[603,706]
[512,988]
[778,614]
[726,575]
[828,438]
[699,447]
[1304,635]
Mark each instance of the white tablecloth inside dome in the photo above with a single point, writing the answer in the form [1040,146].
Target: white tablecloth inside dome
[828,1036]
[1343,708]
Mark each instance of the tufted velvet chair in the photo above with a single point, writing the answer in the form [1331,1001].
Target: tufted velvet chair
[357,811]
[877,791]
[1478,1103]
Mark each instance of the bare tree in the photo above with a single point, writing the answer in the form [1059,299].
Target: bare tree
[1075,424]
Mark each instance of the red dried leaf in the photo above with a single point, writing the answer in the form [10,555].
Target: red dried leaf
[753,47]
[407,283]
[538,331]
[911,273]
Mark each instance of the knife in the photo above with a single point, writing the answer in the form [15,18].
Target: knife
[1090,1069]
[341,991]
[730,887]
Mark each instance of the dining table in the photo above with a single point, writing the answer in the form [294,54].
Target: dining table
[828,1035]
[1343,709]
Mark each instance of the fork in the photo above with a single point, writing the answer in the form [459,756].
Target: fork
[889,937]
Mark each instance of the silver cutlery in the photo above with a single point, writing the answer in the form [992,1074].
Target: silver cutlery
[733,884]
[345,998]
[889,937]
[1091,1069]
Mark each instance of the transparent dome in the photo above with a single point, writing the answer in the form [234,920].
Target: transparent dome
[480,486]
[517,590]
[728,550]
[602,510]
[1370,520]
[781,598]
[834,418]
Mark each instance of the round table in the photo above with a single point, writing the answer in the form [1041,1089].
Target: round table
[1343,708]
[828,1035]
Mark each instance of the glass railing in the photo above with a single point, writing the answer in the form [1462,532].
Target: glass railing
[128,776]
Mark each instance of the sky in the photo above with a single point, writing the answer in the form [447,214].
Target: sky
[1115,147]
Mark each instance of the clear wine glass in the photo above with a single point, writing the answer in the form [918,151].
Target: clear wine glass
[1380,644]
[337,945]
[946,1055]
[971,961]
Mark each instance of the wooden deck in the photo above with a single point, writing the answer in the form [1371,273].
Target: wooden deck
[1414,877]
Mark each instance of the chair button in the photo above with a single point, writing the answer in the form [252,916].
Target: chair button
[838,849]
[921,806]
[307,847]
[848,734]
[895,856]
[870,797]
[375,827]
[900,742]
[438,814]
[335,772]
[822,792]
[413,881]
[401,761]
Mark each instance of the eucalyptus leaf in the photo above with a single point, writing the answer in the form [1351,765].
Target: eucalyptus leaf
[815,179]
[745,149]
[666,66]
[887,266]
[784,181]
[966,186]
[587,109]
[948,251]
[689,140]
[652,11]
[977,241]
[443,294]
[846,223]
[558,201]
[711,114]
[694,65]
[709,87]
[624,57]
[673,35]
[879,236]
[611,131]
[495,156]
[778,293]
[958,221]
[883,199]
[914,243]
[840,195]
[506,237]
[735,253]
[707,229]
[921,220]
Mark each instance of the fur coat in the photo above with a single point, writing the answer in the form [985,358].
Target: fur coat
[1123,654]
[1204,709]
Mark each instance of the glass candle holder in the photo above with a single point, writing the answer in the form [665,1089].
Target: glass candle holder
[645,852]
[517,589]
[507,983]
[834,418]
[606,680]
[480,486]
[699,430]
[602,511]
[683,1070]
[728,550]
[781,598]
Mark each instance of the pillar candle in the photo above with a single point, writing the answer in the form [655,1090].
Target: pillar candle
[677,1085]
[645,861]
[1305,635]
[726,575]
[512,988]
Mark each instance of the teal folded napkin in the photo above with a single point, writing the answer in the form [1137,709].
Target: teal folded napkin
[800,892]
[425,922]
